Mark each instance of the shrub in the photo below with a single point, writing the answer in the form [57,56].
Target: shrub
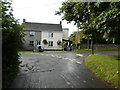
[45,42]
[11,41]
[59,42]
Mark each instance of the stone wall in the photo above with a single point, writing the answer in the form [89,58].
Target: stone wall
[99,46]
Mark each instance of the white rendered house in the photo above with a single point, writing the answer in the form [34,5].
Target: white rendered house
[36,33]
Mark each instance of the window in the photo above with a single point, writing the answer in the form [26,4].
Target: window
[50,34]
[50,43]
[38,42]
[32,33]
[31,43]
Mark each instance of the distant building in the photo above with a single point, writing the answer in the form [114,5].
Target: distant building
[35,33]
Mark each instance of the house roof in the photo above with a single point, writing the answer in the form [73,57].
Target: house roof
[42,26]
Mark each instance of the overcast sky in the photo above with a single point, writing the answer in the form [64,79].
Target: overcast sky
[41,11]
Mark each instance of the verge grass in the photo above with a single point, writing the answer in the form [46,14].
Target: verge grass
[55,51]
[25,51]
[104,67]
[102,49]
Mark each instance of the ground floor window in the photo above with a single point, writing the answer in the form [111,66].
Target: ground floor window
[38,42]
[50,43]
[31,43]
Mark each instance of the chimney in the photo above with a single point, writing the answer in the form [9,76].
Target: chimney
[24,20]
[60,22]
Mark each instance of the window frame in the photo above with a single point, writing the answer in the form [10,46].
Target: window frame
[32,33]
[31,43]
[50,43]
[50,34]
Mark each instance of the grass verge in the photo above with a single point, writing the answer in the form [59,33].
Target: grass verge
[55,51]
[102,49]
[104,67]
[25,51]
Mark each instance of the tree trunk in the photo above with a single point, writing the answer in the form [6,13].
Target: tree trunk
[92,46]
[88,44]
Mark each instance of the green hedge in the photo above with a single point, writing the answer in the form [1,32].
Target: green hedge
[12,33]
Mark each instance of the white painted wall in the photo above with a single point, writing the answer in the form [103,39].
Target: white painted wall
[57,35]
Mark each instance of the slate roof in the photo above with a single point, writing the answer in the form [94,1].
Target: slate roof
[42,26]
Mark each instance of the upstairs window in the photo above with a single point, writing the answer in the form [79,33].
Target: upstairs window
[50,34]
[31,43]
[32,33]
[50,43]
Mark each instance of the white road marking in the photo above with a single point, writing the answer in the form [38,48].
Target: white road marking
[79,55]
[71,60]
[65,58]
[52,55]
[59,56]
[78,62]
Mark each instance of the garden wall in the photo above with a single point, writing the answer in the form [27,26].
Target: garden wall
[99,46]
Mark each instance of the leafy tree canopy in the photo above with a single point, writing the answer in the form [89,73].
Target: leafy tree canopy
[92,17]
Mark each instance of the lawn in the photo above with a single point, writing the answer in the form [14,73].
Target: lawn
[104,67]
[55,51]
[102,49]
[25,51]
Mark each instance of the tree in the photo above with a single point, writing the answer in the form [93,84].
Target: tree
[12,33]
[94,17]
[72,38]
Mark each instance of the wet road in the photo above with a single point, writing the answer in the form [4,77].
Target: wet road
[55,70]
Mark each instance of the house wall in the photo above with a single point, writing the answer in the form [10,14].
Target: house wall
[57,35]
[27,38]
[65,33]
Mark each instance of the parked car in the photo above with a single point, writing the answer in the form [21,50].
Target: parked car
[68,48]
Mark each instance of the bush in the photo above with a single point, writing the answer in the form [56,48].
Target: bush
[59,42]
[45,42]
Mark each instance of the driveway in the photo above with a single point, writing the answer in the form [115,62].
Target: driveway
[56,70]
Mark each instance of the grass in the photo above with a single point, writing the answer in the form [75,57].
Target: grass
[107,49]
[102,49]
[104,67]
[55,51]
[25,51]
[81,50]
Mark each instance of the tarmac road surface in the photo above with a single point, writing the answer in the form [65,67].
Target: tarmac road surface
[56,70]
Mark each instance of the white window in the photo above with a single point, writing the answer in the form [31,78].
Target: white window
[50,34]
[50,43]
[32,33]
[31,43]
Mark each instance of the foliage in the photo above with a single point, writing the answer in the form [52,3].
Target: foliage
[59,42]
[94,18]
[64,44]
[72,37]
[12,33]
[104,67]
[45,42]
